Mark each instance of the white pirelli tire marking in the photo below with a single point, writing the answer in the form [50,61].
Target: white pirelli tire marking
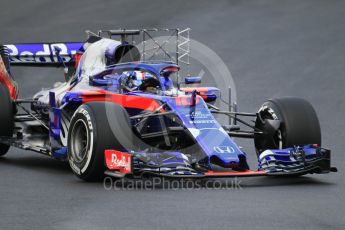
[89,152]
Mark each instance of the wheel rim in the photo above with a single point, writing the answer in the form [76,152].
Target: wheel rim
[79,141]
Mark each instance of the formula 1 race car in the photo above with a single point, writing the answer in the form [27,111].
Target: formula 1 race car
[119,115]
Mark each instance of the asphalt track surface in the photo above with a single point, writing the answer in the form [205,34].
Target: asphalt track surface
[273,48]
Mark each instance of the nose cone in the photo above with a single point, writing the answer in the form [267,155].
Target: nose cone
[224,160]
[221,150]
[224,155]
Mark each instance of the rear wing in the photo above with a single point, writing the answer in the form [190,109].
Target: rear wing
[154,45]
[43,54]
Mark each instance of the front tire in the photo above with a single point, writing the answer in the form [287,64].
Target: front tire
[6,117]
[299,124]
[95,127]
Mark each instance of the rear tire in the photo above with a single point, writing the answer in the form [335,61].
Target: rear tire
[299,124]
[6,117]
[95,127]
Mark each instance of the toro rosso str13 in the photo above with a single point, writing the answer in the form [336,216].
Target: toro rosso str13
[119,115]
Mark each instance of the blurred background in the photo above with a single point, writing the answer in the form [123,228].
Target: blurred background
[272,48]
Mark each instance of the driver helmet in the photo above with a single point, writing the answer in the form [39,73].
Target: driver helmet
[129,81]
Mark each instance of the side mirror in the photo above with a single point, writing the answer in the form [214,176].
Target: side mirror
[192,80]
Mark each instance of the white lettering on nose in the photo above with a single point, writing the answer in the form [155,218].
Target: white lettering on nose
[223,149]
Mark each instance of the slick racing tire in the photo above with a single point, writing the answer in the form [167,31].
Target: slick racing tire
[6,117]
[95,127]
[298,124]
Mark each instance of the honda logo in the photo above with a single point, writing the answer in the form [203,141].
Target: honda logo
[224,149]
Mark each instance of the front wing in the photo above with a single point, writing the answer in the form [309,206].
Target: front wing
[287,162]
